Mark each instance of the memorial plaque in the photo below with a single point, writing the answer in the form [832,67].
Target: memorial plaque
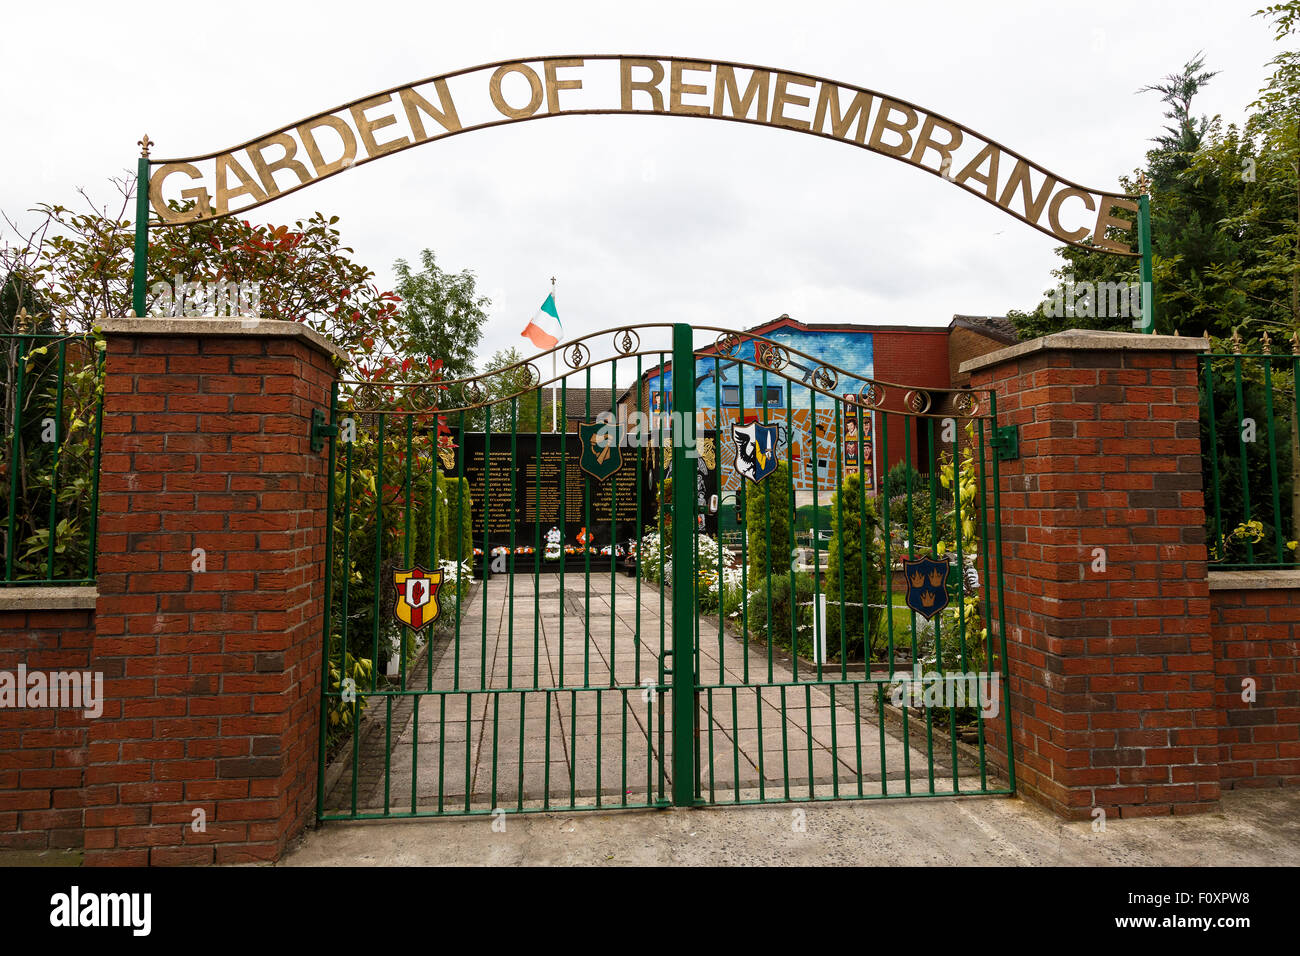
[535,490]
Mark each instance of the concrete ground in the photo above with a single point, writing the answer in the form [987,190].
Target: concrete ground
[1255,828]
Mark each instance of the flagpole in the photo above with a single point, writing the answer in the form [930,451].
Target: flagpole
[553,421]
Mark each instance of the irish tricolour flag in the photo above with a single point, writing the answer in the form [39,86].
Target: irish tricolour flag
[544,330]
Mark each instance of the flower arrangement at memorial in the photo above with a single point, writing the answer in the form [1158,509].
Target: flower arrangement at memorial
[657,565]
[553,539]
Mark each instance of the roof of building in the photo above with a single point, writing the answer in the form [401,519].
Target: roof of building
[994,326]
[602,400]
[784,321]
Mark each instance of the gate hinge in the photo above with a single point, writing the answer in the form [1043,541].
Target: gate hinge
[319,430]
[1006,442]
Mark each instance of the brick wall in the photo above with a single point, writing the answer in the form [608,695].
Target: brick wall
[213,675]
[1256,632]
[965,344]
[1111,672]
[43,751]
[916,358]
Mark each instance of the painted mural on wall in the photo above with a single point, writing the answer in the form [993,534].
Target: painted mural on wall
[816,452]
[741,393]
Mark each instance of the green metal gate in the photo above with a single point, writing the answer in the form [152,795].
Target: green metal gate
[771,665]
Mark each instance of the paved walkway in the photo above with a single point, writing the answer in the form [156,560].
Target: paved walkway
[561,711]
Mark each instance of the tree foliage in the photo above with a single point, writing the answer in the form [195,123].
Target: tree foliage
[443,313]
[503,384]
[1224,212]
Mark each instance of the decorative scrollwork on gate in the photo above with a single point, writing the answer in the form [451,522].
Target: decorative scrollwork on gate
[966,404]
[626,341]
[577,355]
[728,344]
[533,377]
[917,401]
[771,356]
[872,394]
[825,378]
[473,393]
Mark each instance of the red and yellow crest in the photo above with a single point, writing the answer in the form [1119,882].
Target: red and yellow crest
[417,597]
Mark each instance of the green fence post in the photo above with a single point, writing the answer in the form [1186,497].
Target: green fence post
[138,276]
[684,508]
[1144,247]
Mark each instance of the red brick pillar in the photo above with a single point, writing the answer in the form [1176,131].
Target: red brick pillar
[1111,665]
[211,594]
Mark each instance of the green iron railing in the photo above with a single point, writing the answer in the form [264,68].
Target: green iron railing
[1251,455]
[622,676]
[51,397]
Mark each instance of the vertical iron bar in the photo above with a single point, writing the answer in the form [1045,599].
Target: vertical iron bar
[1245,474]
[1272,455]
[99,442]
[15,458]
[537,543]
[794,581]
[586,557]
[1220,543]
[510,558]
[487,541]
[1002,604]
[140,263]
[1144,248]
[462,519]
[379,553]
[684,617]
[406,539]
[819,625]
[54,465]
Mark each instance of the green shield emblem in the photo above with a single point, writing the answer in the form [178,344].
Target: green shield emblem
[601,456]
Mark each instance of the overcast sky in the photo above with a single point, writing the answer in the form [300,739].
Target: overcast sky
[641,218]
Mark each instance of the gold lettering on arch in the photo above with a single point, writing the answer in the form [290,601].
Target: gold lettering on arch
[208,186]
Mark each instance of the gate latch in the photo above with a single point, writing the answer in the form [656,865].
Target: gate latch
[1006,442]
[319,430]
[665,671]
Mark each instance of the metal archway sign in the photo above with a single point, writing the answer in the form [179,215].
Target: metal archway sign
[295,156]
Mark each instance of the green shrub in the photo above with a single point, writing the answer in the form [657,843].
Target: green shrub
[767,509]
[847,509]
[776,629]
[896,479]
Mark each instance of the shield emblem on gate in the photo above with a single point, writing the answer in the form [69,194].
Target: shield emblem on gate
[416,605]
[601,456]
[755,449]
[927,585]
